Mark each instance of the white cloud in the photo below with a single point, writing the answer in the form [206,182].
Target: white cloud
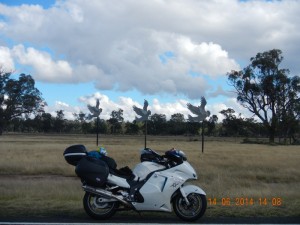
[170,108]
[67,109]
[221,92]
[126,103]
[108,105]
[136,63]
[6,60]
[45,68]
[205,58]
[118,44]
[62,104]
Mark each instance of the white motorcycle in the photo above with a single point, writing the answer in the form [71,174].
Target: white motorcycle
[158,183]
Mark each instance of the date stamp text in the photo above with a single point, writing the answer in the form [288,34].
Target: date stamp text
[245,201]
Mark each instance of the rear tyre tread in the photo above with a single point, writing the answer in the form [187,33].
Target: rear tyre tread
[91,213]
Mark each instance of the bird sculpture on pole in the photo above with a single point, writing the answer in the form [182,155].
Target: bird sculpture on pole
[95,112]
[144,115]
[200,113]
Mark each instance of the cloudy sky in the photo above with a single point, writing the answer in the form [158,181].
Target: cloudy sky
[169,52]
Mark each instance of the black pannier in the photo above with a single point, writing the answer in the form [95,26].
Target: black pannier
[74,154]
[110,162]
[92,171]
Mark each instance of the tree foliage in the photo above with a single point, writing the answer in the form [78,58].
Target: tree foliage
[177,124]
[211,125]
[233,125]
[116,120]
[18,98]
[262,87]
[268,91]
[157,124]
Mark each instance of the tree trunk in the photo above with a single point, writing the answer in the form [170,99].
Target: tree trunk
[1,126]
[271,135]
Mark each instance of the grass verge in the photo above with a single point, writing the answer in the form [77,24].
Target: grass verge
[35,180]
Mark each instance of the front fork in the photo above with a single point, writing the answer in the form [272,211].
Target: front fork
[184,196]
[185,190]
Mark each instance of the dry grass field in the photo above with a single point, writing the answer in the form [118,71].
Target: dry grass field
[241,180]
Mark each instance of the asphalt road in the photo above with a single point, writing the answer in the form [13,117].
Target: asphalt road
[116,219]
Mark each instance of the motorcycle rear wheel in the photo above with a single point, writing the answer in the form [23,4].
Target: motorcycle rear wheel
[191,212]
[97,209]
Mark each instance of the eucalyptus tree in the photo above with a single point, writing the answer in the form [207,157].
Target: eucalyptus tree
[18,98]
[268,91]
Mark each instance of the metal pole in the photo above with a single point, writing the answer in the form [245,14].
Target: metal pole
[97,129]
[146,134]
[202,136]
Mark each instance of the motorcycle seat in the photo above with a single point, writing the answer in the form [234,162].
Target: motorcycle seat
[124,172]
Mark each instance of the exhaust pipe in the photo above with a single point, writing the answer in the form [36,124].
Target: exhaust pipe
[105,193]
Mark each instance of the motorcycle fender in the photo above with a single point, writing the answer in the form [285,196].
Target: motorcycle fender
[188,189]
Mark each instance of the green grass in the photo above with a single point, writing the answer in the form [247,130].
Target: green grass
[35,179]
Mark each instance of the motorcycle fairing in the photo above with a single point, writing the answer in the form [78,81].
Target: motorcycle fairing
[143,169]
[160,187]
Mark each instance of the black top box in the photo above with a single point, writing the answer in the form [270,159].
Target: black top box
[74,154]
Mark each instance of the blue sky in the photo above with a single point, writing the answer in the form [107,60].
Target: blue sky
[168,52]
[45,3]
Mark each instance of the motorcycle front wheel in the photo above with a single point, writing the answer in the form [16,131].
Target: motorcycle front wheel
[97,208]
[192,211]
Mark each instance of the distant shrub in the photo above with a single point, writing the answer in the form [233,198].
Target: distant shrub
[254,141]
